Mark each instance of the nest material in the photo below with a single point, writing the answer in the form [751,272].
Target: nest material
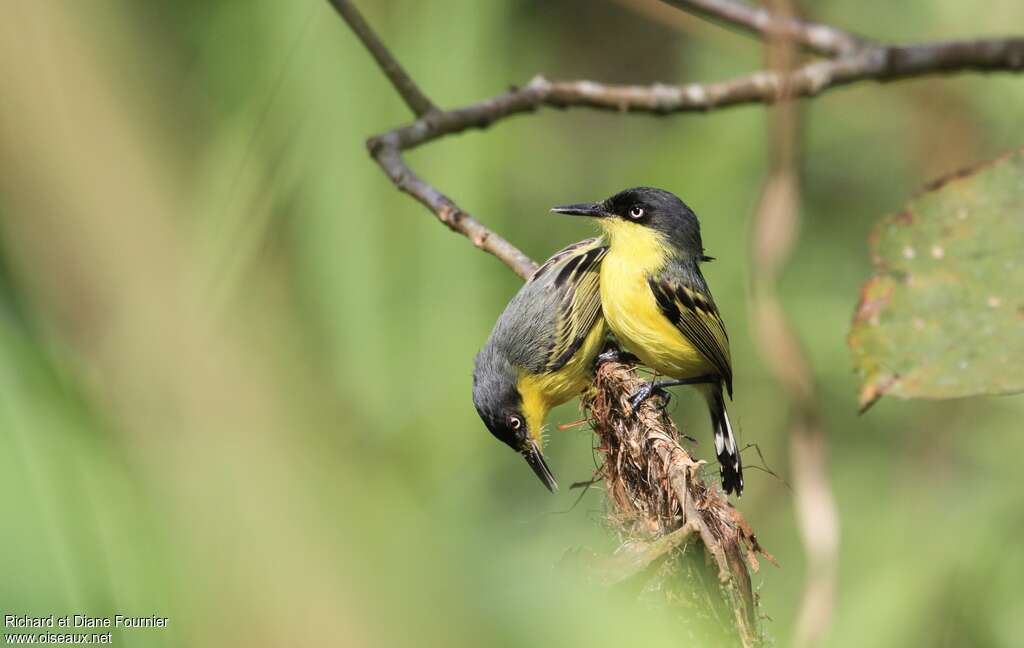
[657,498]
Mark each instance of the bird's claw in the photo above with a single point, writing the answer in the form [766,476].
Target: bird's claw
[611,355]
[640,396]
[616,355]
[645,392]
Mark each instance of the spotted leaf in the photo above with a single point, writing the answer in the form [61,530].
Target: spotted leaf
[943,315]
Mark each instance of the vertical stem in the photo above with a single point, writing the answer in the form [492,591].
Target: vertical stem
[775,230]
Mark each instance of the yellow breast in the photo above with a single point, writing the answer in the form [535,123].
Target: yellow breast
[541,392]
[630,308]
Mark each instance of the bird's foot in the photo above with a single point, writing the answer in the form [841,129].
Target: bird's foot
[616,355]
[657,388]
[646,391]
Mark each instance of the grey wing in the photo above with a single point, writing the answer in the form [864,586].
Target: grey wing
[685,300]
[548,321]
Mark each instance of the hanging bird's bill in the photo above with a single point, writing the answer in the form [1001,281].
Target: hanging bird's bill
[540,467]
[595,210]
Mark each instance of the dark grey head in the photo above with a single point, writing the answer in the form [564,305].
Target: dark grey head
[500,406]
[646,207]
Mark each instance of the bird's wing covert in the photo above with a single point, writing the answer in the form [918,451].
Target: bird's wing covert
[572,276]
[694,313]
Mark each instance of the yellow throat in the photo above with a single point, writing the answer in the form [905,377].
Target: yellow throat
[541,392]
[642,247]
[636,253]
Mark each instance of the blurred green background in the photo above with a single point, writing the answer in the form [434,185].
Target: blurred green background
[235,362]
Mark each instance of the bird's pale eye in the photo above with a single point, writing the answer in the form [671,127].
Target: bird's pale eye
[515,422]
[636,213]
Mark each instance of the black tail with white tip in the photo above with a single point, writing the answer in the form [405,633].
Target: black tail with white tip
[726,447]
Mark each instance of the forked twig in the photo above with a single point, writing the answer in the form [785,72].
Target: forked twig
[866,61]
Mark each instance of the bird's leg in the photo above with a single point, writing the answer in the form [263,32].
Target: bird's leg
[647,390]
[658,387]
[706,379]
[614,354]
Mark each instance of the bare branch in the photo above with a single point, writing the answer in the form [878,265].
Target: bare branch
[822,39]
[876,63]
[403,83]
[873,63]
[868,62]
[390,159]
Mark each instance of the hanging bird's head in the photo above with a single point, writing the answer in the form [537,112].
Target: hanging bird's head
[513,420]
[645,219]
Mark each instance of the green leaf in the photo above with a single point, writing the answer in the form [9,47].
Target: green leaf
[943,316]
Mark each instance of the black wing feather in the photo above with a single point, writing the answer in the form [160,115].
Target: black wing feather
[686,302]
[579,306]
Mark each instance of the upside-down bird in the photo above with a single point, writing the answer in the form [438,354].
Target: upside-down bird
[542,350]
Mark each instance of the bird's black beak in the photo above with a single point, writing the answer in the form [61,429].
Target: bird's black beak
[540,467]
[594,210]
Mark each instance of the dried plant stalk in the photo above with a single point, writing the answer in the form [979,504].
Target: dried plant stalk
[655,492]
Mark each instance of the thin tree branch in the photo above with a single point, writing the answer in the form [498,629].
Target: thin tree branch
[400,79]
[873,63]
[867,63]
[822,39]
[390,159]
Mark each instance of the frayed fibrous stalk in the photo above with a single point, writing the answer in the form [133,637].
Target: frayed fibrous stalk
[657,500]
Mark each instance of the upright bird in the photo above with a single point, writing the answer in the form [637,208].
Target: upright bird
[542,350]
[658,305]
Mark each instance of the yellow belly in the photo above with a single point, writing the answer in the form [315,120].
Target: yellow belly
[541,392]
[637,323]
